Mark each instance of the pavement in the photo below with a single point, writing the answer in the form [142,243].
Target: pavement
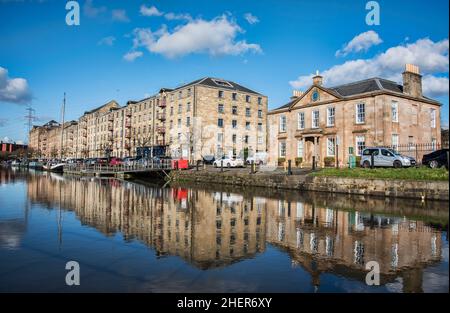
[262,170]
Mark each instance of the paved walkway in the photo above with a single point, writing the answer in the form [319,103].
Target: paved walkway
[264,170]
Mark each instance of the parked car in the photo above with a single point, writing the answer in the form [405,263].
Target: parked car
[89,161]
[102,160]
[128,161]
[208,159]
[259,158]
[115,161]
[383,157]
[229,162]
[436,159]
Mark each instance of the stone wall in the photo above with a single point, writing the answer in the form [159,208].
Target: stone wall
[430,190]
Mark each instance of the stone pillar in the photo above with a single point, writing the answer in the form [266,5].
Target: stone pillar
[315,148]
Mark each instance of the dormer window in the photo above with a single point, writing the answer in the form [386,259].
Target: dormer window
[222,83]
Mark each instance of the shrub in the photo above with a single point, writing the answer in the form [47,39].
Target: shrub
[281,161]
[298,161]
[329,161]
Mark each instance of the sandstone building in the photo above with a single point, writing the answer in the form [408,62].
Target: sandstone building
[208,116]
[330,123]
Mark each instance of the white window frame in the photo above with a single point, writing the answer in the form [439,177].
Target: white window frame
[301,120]
[358,115]
[280,144]
[433,118]
[260,140]
[331,140]
[283,123]
[300,148]
[395,141]
[433,144]
[331,116]
[394,111]
[313,119]
[358,140]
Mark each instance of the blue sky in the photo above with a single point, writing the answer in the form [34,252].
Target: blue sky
[126,50]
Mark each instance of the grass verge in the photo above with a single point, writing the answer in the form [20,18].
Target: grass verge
[413,173]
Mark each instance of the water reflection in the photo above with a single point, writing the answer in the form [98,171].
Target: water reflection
[213,228]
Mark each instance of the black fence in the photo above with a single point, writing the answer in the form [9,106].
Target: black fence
[418,150]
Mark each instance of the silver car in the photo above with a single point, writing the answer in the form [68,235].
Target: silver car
[383,157]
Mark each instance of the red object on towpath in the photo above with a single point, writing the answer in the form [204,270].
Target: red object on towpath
[180,164]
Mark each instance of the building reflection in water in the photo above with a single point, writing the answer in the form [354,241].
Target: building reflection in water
[210,229]
[12,228]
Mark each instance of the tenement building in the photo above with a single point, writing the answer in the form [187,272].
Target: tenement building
[208,116]
[332,123]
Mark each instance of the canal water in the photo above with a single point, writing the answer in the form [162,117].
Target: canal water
[130,236]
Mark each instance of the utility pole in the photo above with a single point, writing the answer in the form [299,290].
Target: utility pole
[62,125]
[30,117]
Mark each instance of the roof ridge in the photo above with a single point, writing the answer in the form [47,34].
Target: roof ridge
[353,83]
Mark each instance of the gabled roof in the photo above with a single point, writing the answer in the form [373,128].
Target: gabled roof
[100,107]
[216,83]
[356,88]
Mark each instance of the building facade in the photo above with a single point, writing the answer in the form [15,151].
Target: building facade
[9,147]
[208,116]
[45,140]
[330,124]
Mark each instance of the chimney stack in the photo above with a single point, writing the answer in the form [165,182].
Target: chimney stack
[296,94]
[317,79]
[412,81]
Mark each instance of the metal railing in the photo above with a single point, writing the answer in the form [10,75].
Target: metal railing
[418,150]
[132,167]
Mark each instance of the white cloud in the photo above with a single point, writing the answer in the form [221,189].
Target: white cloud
[172,16]
[119,15]
[150,11]
[107,41]
[435,86]
[430,56]
[251,19]
[214,37]
[361,42]
[132,55]
[91,11]
[13,90]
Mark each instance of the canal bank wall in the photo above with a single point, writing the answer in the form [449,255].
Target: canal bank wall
[411,189]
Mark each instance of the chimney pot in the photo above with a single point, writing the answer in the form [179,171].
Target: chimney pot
[296,94]
[412,81]
[317,79]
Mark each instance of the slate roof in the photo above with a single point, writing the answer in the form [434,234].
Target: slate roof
[359,87]
[367,85]
[211,82]
[98,108]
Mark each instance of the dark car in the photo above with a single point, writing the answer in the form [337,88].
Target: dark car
[89,161]
[101,161]
[436,159]
[209,159]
